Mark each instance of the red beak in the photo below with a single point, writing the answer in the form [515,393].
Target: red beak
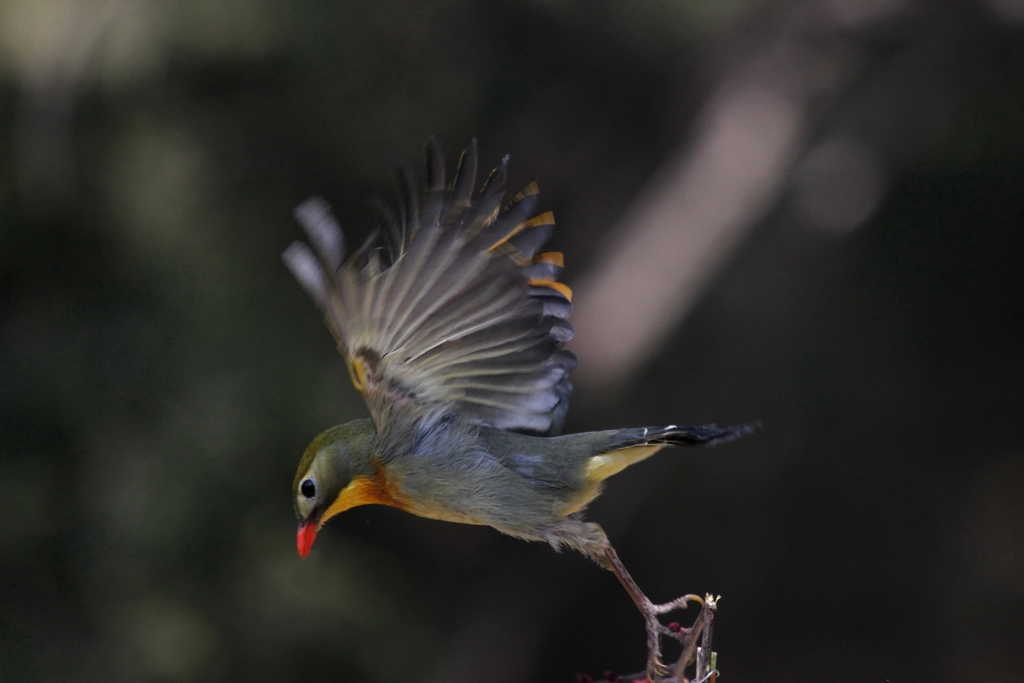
[307,534]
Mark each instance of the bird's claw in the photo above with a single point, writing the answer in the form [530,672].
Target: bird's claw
[679,603]
[660,670]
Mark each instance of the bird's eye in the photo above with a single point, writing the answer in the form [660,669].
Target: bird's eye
[308,488]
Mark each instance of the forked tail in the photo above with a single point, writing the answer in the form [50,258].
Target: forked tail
[629,446]
[674,435]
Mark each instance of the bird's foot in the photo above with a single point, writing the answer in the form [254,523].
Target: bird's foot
[656,669]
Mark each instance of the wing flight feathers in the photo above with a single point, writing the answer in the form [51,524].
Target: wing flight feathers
[448,305]
[317,219]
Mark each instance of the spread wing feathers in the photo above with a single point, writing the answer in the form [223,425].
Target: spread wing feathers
[448,304]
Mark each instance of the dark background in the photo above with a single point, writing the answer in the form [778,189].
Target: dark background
[161,372]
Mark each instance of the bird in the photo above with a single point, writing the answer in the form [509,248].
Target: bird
[452,323]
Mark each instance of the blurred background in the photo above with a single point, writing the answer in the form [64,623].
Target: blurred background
[808,213]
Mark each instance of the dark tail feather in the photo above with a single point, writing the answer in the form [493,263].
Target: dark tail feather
[673,435]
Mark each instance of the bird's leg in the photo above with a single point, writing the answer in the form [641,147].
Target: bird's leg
[590,539]
[656,669]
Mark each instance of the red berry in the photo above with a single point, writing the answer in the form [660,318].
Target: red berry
[674,627]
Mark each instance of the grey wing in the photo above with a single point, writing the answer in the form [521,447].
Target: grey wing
[448,305]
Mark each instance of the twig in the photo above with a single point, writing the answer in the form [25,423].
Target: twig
[705,657]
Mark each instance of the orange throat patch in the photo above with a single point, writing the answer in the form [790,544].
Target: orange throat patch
[378,490]
[363,490]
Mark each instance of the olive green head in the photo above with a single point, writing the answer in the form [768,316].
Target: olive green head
[329,465]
